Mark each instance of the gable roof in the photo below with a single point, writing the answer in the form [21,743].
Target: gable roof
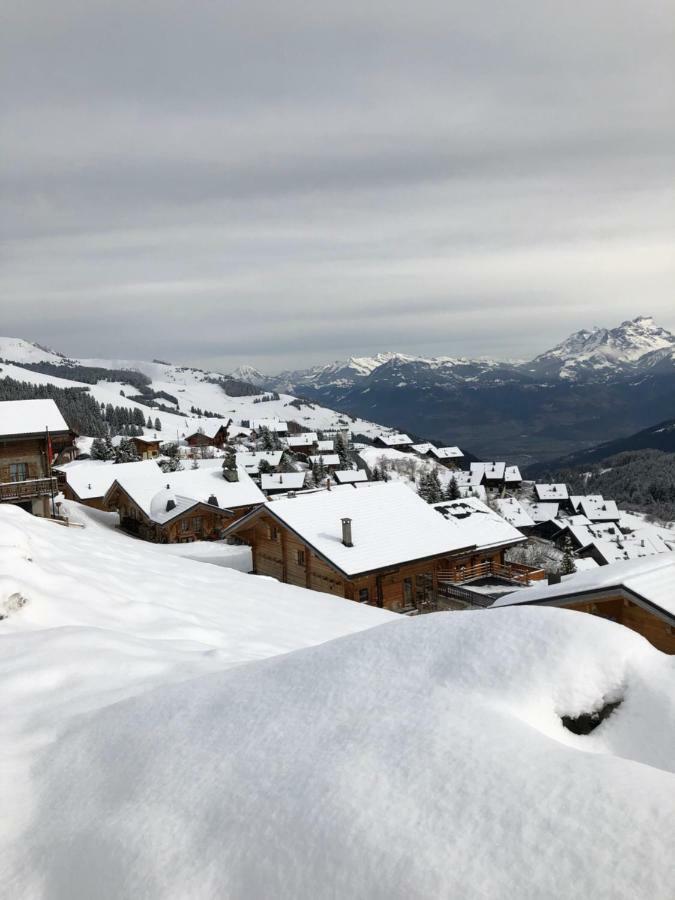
[30,417]
[648,582]
[395,440]
[598,509]
[269,424]
[556,492]
[483,525]
[514,512]
[446,452]
[512,474]
[302,440]
[92,478]
[250,461]
[151,491]
[492,470]
[350,476]
[208,428]
[391,525]
[543,512]
[283,481]
[328,459]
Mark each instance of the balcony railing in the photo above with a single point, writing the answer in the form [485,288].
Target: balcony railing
[515,573]
[27,490]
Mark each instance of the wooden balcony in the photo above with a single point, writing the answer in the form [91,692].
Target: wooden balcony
[27,490]
[514,573]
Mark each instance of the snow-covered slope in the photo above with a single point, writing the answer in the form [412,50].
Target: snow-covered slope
[145,753]
[191,387]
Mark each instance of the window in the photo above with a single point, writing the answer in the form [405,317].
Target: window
[363,595]
[301,557]
[407,591]
[273,532]
[18,471]
[185,525]
[197,523]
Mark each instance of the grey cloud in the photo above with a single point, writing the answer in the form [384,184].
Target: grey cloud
[279,183]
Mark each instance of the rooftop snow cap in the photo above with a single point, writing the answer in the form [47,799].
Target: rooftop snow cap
[347,533]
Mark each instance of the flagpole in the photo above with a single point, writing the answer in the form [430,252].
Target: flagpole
[49,468]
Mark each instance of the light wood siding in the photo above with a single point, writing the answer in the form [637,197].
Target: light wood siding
[625,612]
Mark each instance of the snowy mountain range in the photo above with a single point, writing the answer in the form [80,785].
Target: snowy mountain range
[598,354]
[597,384]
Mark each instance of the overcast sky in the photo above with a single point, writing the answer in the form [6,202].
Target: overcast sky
[284,183]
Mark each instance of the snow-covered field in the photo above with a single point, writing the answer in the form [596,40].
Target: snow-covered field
[174,729]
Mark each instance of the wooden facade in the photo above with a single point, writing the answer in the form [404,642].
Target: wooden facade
[620,608]
[200,439]
[25,471]
[147,448]
[280,553]
[200,522]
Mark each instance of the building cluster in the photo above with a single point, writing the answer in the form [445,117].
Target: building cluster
[315,514]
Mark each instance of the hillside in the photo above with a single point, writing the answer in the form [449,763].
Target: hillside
[658,437]
[160,740]
[173,392]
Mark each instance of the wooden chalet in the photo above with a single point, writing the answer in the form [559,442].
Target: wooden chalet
[147,447]
[394,442]
[209,434]
[33,436]
[378,543]
[180,507]
[303,444]
[639,594]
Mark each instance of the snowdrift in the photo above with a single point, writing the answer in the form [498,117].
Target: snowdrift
[423,758]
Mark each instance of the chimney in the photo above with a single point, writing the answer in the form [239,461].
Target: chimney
[213,500]
[327,484]
[170,504]
[347,533]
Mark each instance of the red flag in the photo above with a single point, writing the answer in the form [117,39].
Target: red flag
[50,453]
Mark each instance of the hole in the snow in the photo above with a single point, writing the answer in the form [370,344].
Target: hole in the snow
[587,722]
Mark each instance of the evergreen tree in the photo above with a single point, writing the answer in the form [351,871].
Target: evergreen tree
[98,450]
[567,566]
[172,464]
[341,449]
[452,491]
[109,449]
[148,424]
[286,463]
[158,425]
[264,467]
[126,452]
[230,472]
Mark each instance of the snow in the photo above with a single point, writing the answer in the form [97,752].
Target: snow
[30,417]
[481,525]
[652,579]
[283,481]
[350,476]
[554,492]
[395,440]
[250,462]
[422,758]
[543,512]
[328,459]
[514,512]
[92,477]
[152,489]
[491,470]
[301,440]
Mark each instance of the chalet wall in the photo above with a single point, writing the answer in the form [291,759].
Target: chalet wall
[625,612]
[29,451]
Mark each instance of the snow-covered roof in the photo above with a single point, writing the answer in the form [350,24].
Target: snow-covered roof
[555,492]
[598,509]
[325,446]
[91,478]
[302,440]
[270,424]
[251,461]
[283,481]
[485,527]
[350,476]
[446,452]
[390,525]
[152,491]
[395,440]
[30,417]
[423,448]
[512,474]
[543,512]
[652,580]
[208,427]
[492,470]
[514,512]
[328,459]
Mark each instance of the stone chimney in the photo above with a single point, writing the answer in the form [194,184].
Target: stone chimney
[347,533]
